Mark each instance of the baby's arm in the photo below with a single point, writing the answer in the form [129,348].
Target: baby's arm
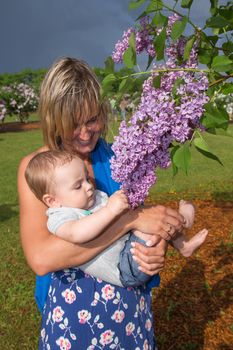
[89,227]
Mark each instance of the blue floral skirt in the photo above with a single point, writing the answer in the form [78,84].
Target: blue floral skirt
[85,313]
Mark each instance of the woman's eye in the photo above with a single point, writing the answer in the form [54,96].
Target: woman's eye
[92,120]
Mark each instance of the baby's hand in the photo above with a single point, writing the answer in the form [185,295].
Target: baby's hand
[188,211]
[118,202]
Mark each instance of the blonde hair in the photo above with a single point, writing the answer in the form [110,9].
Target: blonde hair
[40,170]
[69,92]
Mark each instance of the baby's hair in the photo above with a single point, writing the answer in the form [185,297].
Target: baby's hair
[40,170]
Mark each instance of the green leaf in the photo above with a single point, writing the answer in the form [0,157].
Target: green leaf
[214,5]
[204,56]
[213,121]
[213,38]
[227,88]
[182,157]
[221,64]
[214,117]
[108,80]
[154,5]
[123,85]
[159,20]
[226,13]
[178,28]
[150,60]
[217,22]
[188,47]
[203,148]
[159,44]
[129,58]
[172,152]
[157,81]
[135,4]
[221,132]
[206,51]
[109,65]
[132,42]
[174,169]
[227,47]
[186,3]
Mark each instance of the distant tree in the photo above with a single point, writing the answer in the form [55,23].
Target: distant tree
[27,76]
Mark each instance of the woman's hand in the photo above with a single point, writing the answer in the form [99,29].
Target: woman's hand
[151,260]
[162,223]
[158,220]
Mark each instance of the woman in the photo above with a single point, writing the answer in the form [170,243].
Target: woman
[73,117]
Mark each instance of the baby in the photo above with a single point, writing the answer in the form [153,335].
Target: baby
[60,180]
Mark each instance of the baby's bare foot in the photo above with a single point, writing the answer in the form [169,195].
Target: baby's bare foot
[194,243]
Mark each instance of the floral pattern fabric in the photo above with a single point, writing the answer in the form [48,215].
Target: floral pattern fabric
[85,313]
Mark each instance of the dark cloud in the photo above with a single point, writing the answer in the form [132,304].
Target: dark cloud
[36,32]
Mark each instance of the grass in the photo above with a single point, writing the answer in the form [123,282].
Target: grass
[19,319]
[207,179]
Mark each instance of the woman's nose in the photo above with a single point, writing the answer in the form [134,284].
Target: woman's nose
[84,132]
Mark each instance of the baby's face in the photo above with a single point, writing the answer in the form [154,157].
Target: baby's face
[72,187]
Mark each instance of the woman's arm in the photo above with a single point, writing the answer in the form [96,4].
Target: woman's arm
[45,252]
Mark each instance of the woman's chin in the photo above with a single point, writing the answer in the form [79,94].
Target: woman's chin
[83,149]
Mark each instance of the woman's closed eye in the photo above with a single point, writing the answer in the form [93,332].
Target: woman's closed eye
[92,120]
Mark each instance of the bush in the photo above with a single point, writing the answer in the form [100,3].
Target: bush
[2,110]
[18,99]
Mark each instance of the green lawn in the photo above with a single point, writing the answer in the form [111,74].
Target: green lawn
[207,179]
[19,319]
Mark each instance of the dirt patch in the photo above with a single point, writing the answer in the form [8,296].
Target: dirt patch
[18,126]
[193,307]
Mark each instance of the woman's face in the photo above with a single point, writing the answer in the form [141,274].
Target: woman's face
[86,136]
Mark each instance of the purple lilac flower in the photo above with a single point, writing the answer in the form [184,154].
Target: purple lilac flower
[143,38]
[121,46]
[171,20]
[164,115]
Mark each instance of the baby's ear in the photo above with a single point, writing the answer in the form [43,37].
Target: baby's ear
[50,201]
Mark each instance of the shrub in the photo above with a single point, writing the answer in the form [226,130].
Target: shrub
[18,99]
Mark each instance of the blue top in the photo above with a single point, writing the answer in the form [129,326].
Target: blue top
[101,167]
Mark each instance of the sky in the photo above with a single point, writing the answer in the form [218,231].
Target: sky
[34,33]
